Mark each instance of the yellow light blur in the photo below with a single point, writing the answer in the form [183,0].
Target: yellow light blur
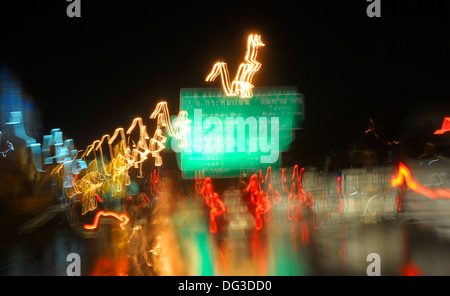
[113,173]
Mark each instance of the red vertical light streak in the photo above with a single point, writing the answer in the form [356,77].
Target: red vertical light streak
[211,199]
[259,252]
[97,197]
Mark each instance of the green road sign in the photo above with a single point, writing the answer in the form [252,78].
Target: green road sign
[229,135]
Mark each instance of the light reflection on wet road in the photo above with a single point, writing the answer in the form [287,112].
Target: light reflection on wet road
[281,248]
[175,240]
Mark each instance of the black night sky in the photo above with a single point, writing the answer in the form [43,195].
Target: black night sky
[92,74]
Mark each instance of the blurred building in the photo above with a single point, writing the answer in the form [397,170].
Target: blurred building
[13,98]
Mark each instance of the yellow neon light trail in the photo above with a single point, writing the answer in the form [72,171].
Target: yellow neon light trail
[242,85]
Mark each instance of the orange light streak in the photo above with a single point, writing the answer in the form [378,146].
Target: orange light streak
[125,155]
[372,130]
[121,217]
[242,84]
[181,124]
[404,174]
[141,149]
[180,128]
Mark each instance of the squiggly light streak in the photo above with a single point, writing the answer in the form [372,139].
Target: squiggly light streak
[372,130]
[211,199]
[217,209]
[242,84]
[179,130]
[260,199]
[121,217]
[124,156]
[99,173]
[180,127]
[71,169]
[86,187]
[297,198]
[141,149]
[274,194]
[404,175]
[155,186]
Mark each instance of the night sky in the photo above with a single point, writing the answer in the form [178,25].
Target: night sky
[92,74]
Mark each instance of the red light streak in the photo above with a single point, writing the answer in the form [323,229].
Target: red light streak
[145,200]
[410,269]
[304,232]
[141,200]
[217,209]
[274,194]
[261,199]
[263,206]
[74,179]
[253,187]
[155,183]
[341,201]
[298,196]
[155,186]
[339,185]
[404,174]
[97,197]
[121,217]
[111,266]
[211,199]
[445,127]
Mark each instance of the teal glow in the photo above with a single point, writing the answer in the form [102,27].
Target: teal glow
[230,136]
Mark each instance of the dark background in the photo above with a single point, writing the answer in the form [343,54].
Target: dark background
[92,74]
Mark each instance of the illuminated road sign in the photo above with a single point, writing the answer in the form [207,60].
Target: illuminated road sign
[230,135]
